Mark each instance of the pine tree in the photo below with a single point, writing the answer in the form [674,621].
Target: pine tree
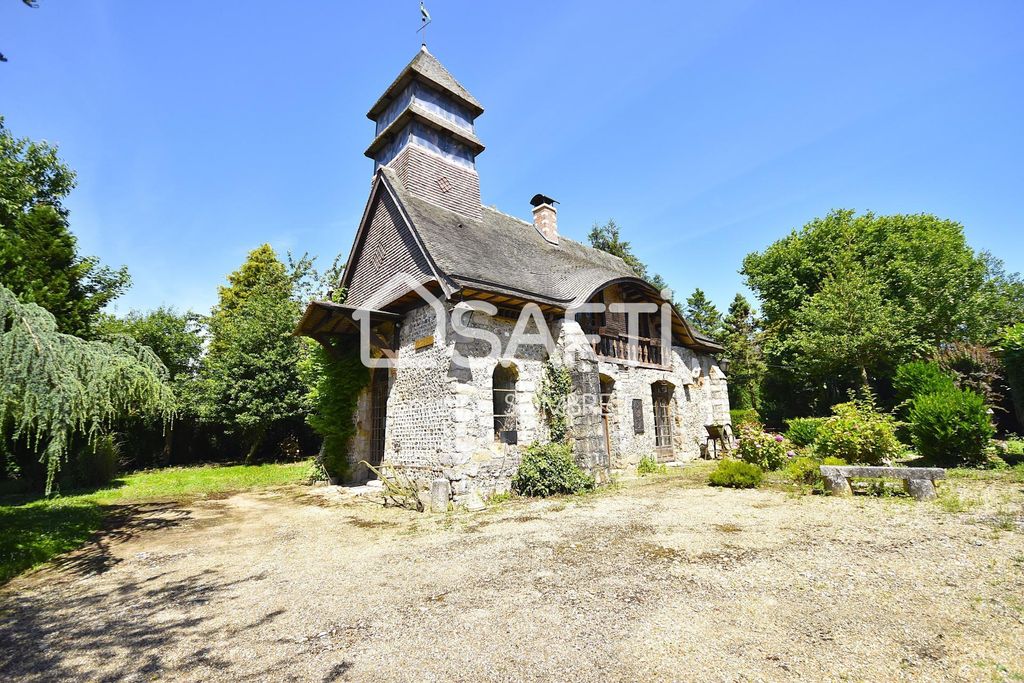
[39,259]
[703,314]
[739,336]
[606,238]
[250,378]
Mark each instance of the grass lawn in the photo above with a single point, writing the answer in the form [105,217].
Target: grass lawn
[34,529]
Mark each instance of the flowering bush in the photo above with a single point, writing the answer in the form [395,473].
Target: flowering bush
[757,447]
[857,432]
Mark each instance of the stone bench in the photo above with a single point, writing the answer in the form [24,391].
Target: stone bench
[918,481]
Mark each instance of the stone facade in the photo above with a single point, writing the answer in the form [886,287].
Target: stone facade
[440,415]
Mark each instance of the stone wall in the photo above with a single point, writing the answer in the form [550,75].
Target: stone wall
[441,420]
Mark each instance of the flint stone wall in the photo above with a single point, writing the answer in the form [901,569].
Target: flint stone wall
[440,421]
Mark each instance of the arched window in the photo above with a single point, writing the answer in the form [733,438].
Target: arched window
[504,389]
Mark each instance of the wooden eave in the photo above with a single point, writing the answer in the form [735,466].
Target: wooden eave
[418,113]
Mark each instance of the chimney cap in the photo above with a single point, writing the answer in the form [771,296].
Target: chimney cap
[539,199]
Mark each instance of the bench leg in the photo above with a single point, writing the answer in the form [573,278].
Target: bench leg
[920,489]
[838,485]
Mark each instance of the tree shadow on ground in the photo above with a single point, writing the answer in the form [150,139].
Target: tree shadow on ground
[122,523]
[132,629]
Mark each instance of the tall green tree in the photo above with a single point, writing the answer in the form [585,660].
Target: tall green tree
[57,387]
[607,238]
[846,329]
[176,338]
[919,285]
[740,335]
[250,379]
[703,314]
[39,259]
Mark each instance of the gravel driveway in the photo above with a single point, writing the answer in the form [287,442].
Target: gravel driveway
[659,579]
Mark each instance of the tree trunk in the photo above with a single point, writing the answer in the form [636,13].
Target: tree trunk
[254,446]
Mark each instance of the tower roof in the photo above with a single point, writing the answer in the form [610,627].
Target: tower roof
[425,66]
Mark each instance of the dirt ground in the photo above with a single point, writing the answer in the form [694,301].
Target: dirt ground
[661,579]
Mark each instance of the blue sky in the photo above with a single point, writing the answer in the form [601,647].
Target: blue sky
[707,130]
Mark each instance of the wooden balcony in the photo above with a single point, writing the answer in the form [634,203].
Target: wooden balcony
[618,347]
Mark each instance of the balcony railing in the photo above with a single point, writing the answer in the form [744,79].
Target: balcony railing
[642,350]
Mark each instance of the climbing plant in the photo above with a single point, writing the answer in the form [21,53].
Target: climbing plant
[56,386]
[553,400]
[339,376]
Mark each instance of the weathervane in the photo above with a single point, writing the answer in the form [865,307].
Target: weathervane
[425,19]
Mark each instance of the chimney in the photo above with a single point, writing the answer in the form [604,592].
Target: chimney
[545,217]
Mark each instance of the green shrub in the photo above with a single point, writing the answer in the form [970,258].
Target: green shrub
[1011,353]
[857,432]
[951,427]
[736,474]
[650,465]
[802,431]
[549,469]
[920,377]
[805,469]
[742,416]
[94,465]
[757,447]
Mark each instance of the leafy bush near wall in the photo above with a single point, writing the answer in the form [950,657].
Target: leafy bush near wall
[549,469]
[650,465]
[802,431]
[736,474]
[340,377]
[757,447]
[951,427]
[857,432]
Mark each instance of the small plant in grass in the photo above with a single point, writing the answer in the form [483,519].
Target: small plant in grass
[736,474]
[805,469]
[649,465]
[549,469]
[951,501]
[951,427]
[758,447]
[802,431]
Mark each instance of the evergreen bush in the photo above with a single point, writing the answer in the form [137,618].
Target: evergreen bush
[550,469]
[951,427]
[920,377]
[736,474]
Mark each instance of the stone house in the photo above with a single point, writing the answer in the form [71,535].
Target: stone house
[427,252]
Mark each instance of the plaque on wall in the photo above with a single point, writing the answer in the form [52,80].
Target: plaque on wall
[638,416]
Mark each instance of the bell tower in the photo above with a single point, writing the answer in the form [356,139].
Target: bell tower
[425,134]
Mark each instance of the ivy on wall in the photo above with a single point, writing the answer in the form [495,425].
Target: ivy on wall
[340,377]
[552,399]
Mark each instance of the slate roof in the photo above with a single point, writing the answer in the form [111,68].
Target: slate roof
[427,66]
[504,254]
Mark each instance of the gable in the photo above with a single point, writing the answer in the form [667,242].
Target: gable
[384,248]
